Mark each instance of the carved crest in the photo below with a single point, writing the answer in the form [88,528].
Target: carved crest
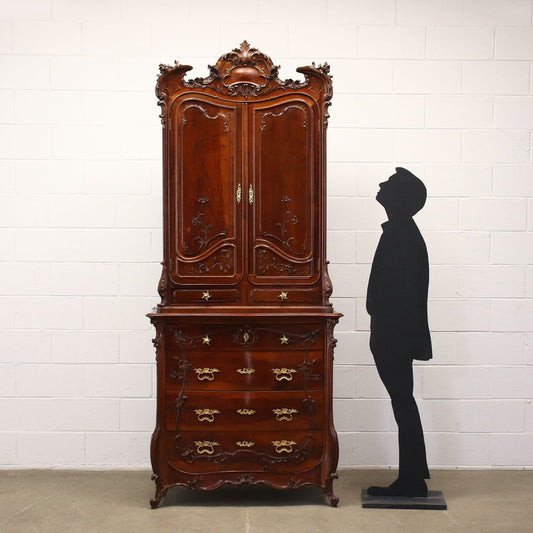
[244,71]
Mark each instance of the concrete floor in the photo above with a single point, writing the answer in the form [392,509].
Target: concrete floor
[52,501]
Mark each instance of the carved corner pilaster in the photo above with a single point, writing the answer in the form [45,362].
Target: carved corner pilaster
[327,286]
[163,286]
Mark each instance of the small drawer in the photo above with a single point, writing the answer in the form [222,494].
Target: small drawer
[269,336]
[207,296]
[284,296]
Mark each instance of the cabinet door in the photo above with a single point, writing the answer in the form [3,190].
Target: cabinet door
[283,174]
[205,207]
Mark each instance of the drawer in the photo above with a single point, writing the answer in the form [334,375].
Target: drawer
[243,370]
[285,296]
[214,337]
[201,451]
[207,296]
[259,411]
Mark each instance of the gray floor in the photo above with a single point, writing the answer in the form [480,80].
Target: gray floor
[117,501]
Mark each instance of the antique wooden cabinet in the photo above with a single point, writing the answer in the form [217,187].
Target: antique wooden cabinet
[244,331]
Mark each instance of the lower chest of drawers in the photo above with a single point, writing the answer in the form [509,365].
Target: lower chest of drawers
[244,396]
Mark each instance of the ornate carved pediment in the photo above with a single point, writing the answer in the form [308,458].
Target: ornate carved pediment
[244,71]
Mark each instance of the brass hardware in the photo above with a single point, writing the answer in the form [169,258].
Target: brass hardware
[284,414]
[206,415]
[246,411]
[246,370]
[206,373]
[238,194]
[283,445]
[284,340]
[251,195]
[245,444]
[206,446]
[284,373]
[206,296]
[246,336]
[283,296]
[206,340]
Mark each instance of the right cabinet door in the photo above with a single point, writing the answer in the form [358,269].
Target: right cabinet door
[282,227]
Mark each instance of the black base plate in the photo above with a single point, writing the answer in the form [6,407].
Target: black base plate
[434,501]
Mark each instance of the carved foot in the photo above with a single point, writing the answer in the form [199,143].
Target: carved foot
[154,502]
[160,492]
[333,500]
[328,490]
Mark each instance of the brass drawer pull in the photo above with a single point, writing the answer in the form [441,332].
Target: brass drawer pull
[284,414]
[206,296]
[246,411]
[205,446]
[206,415]
[284,339]
[283,296]
[284,373]
[246,371]
[283,446]
[245,444]
[238,194]
[206,373]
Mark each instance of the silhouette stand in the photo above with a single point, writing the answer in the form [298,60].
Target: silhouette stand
[399,332]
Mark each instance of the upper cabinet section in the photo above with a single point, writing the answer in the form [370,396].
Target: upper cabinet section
[244,183]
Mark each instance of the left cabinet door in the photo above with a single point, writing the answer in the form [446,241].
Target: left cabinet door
[206,189]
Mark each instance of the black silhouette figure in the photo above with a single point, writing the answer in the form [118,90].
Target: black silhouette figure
[397,304]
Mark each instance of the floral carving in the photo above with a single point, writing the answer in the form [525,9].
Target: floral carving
[289,218]
[270,264]
[203,235]
[221,261]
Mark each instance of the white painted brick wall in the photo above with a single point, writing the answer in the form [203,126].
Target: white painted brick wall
[443,87]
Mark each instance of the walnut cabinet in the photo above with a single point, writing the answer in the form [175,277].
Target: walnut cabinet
[244,330]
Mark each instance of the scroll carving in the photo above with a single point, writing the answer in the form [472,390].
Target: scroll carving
[206,114]
[221,261]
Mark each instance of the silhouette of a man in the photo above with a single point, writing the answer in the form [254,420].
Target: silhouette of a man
[397,304]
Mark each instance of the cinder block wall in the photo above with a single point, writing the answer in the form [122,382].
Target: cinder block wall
[443,87]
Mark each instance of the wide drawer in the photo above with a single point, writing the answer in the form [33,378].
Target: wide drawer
[201,451]
[242,370]
[231,411]
[213,337]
